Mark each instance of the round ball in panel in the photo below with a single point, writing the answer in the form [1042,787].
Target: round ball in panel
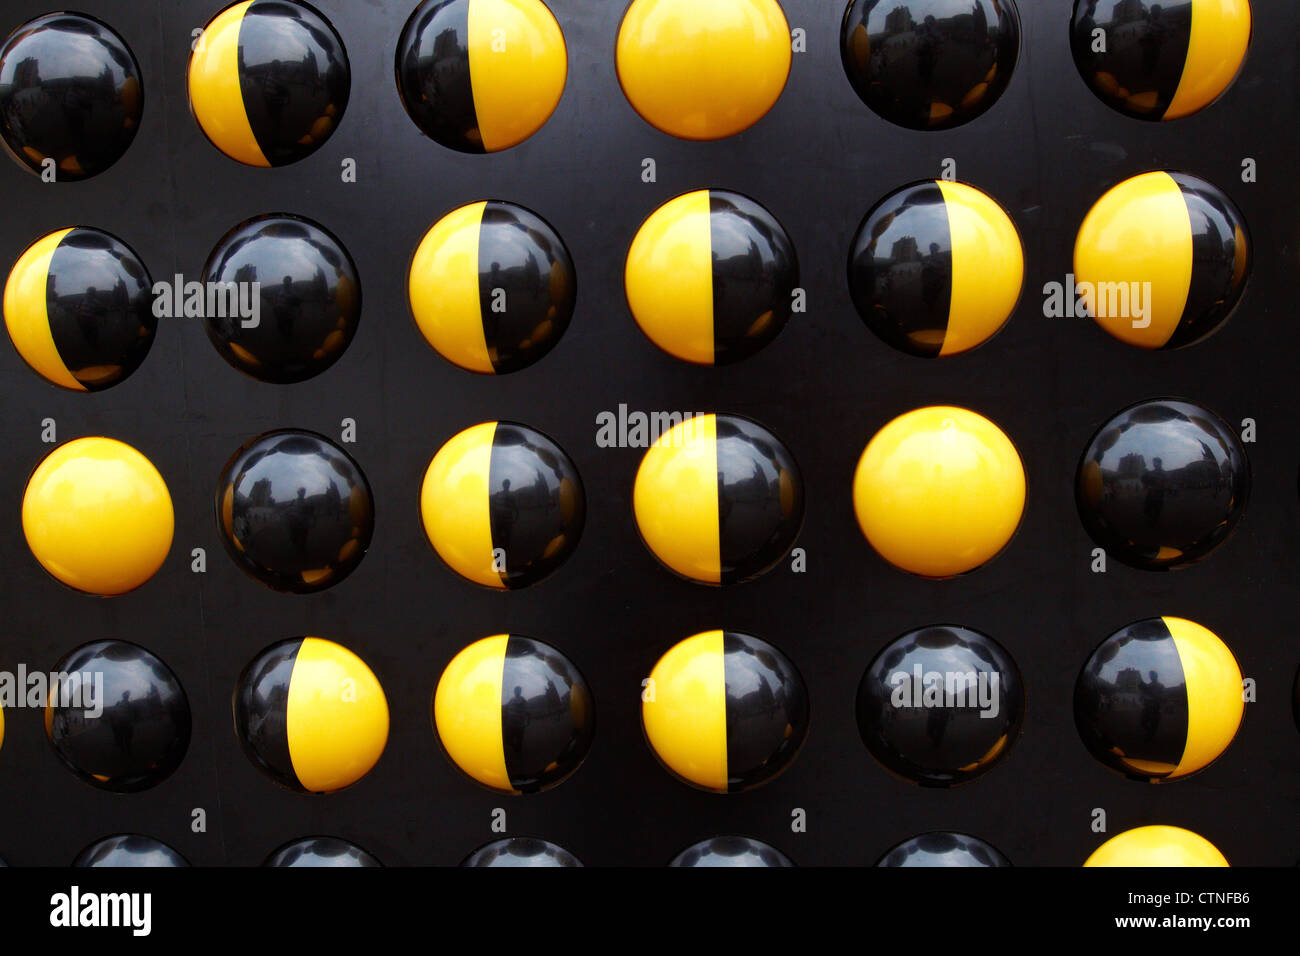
[480,76]
[129,850]
[502,505]
[1162,484]
[294,511]
[943,849]
[269,81]
[304,310]
[311,715]
[729,712]
[710,277]
[70,96]
[731,851]
[117,716]
[97,515]
[492,287]
[520,852]
[1157,846]
[321,851]
[514,714]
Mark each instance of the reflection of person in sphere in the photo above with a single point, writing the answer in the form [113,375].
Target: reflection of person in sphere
[516,720]
[1152,692]
[505,511]
[1154,482]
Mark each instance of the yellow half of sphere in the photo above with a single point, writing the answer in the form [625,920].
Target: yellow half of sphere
[1157,846]
[454,505]
[1212,679]
[685,717]
[27,316]
[675,499]
[216,98]
[518,65]
[1216,49]
[467,711]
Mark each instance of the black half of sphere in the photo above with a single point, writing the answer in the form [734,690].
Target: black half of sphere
[943,849]
[930,64]
[521,851]
[295,511]
[767,710]
[433,75]
[261,707]
[70,91]
[731,851]
[135,731]
[99,302]
[755,272]
[760,499]
[940,705]
[129,850]
[308,304]
[1162,484]
[1138,64]
[294,77]
[321,852]
[547,716]
[536,504]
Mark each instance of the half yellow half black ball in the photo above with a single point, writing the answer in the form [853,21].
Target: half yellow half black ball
[1159,699]
[311,715]
[1160,61]
[725,711]
[514,714]
[936,268]
[78,306]
[710,277]
[492,287]
[502,505]
[269,81]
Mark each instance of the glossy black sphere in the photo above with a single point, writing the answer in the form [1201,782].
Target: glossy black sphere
[308,304]
[941,705]
[119,719]
[521,851]
[731,851]
[70,91]
[295,511]
[321,851]
[943,849]
[129,850]
[930,64]
[1162,484]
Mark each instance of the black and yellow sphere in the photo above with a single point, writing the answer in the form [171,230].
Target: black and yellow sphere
[936,268]
[117,716]
[1159,699]
[321,851]
[718,499]
[492,287]
[129,850]
[1159,61]
[1161,260]
[941,705]
[729,851]
[725,711]
[306,306]
[514,714]
[1157,846]
[294,511]
[939,491]
[70,96]
[480,76]
[1162,484]
[703,69]
[502,505]
[97,515]
[521,852]
[710,277]
[78,306]
[311,715]
[930,64]
[943,849]
[269,81]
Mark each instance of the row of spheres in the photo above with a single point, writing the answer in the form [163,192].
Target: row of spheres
[269,80]
[1144,846]
[935,269]
[722,711]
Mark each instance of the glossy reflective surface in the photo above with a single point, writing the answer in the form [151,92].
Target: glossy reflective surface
[1162,484]
[731,851]
[1158,845]
[119,719]
[754,274]
[295,511]
[941,705]
[321,851]
[760,499]
[767,710]
[306,310]
[129,849]
[535,502]
[521,851]
[943,849]
[70,91]
[930,64]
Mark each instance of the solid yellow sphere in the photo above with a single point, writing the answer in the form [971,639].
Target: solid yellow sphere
[1157,846]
